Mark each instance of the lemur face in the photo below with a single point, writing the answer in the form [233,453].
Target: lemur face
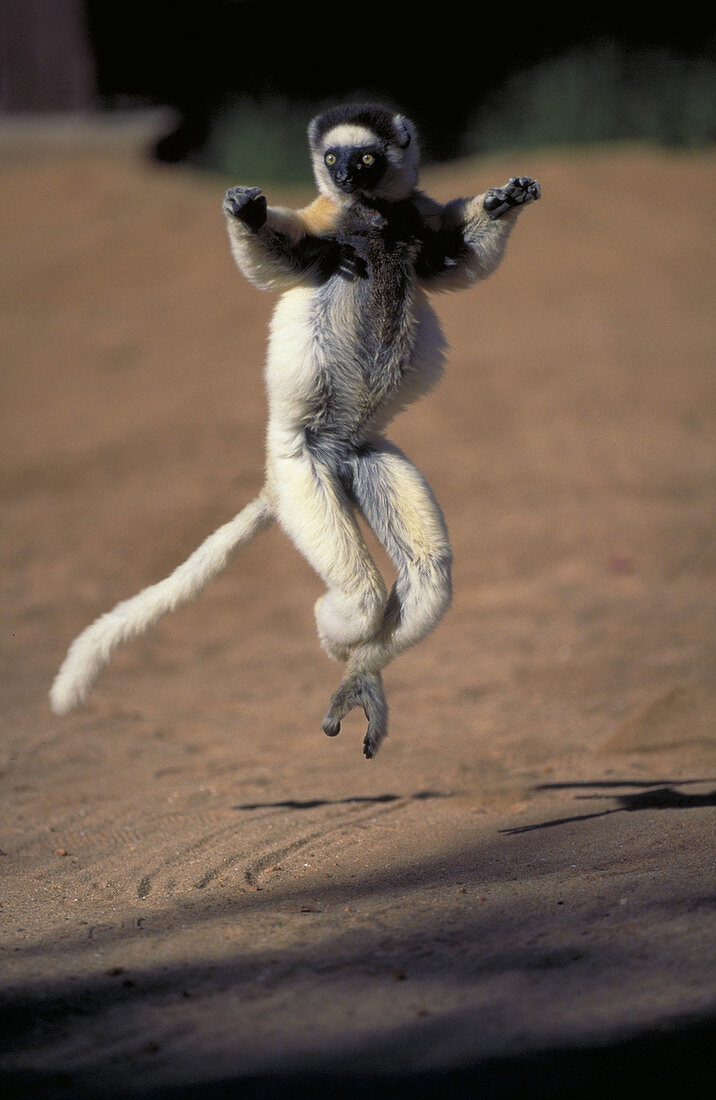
[363,151]
[355,159]
[355,167]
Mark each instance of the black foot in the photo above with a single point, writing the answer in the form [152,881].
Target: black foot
[247,204]
[517,192]
[364,691]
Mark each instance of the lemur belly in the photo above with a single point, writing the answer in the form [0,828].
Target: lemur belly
[333,372]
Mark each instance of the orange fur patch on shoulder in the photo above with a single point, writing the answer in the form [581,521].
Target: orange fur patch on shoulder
[320,216]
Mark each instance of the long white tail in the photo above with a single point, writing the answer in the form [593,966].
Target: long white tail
[92,649]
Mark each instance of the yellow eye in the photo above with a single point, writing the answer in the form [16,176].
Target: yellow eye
[367,158]
[330,159]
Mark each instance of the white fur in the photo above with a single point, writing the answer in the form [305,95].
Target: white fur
[93,649]
[347,133]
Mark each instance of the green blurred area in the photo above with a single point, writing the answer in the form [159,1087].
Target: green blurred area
[600,93]
[242,81]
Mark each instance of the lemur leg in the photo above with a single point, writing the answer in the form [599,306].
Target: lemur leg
[315,511]
[399,505]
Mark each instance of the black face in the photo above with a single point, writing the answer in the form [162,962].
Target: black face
[355,169]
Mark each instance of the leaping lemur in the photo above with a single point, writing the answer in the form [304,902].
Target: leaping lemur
[353,340]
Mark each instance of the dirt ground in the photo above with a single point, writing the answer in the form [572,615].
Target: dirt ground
[202,895]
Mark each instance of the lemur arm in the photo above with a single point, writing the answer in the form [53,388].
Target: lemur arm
[469,236]
[277,248]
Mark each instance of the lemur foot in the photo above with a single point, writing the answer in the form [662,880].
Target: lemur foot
[247,204]
[517,192]
[364,691]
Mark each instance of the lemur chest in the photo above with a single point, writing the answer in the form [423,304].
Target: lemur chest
[378,253]
[341,346]
[368,299]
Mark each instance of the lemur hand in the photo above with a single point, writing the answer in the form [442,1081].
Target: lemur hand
[247,204]
[517,192]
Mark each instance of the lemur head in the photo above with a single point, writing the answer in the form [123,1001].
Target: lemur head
[364,149]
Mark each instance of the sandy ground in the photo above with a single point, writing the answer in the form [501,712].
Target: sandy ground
[204,896]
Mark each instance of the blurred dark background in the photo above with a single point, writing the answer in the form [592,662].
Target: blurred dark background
[242,77]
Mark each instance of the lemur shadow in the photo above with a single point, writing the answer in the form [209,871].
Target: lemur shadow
[660,795]
[313,803]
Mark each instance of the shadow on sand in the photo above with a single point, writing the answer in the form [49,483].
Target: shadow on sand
[660,795]
[663,1062]
[481,945]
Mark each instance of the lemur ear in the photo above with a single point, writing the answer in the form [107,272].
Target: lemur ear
[313,132]
[403,130]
